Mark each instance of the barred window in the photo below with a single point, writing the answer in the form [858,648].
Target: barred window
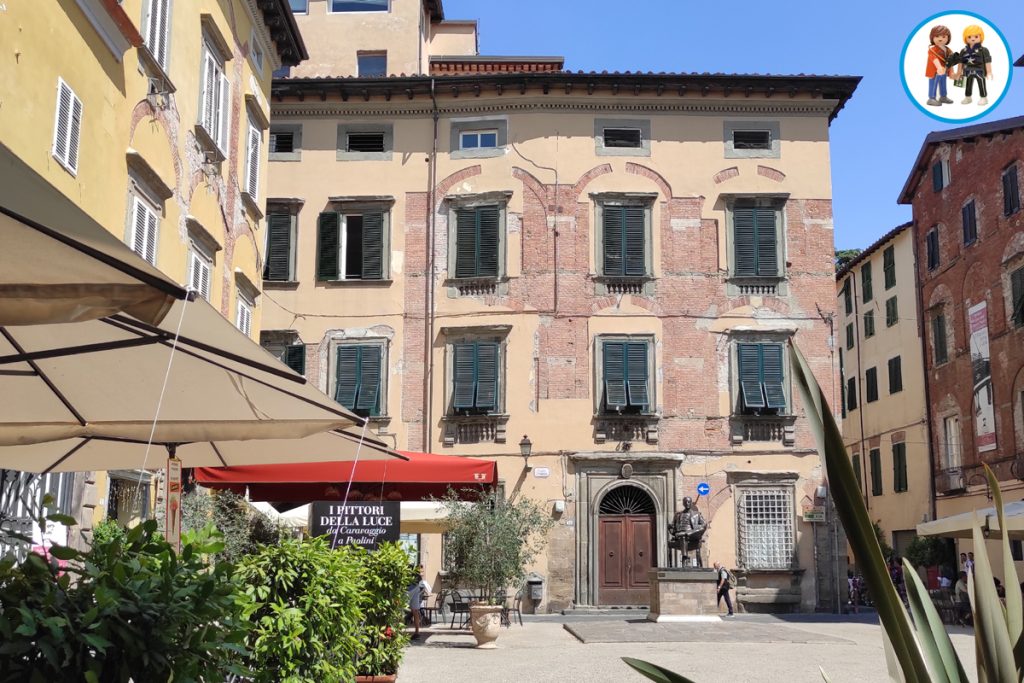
[766,528]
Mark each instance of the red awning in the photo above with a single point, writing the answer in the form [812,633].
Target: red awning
[421,476]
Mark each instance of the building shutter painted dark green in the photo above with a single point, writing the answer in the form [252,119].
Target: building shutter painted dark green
[346,376]
[937,176]
[636,374]
[1017,289]
[279,247]
[767,247]
[849,336]
[899,467]
[895,375]
[856,470]
[487,241]
[969,220]
[614,258]
[889,267]
[1011,192]
[633,241]
[295,358]
[772,371]
[876,472]
[745,242]
[373,246]
[328,243]
[892,312]
[851,393]
[477,238]
[465,243]
[870,385]
[865,282]
[464,376]
[486,375]
[615,375]
[749,358]
[367,400]
[932,242]
[939,338]
[869,324]
[848,296]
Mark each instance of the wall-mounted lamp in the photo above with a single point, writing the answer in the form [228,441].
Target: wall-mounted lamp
[525,448]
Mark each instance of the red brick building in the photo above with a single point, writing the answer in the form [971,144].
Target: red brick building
[969,239]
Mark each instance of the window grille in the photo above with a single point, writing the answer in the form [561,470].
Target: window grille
[765,523]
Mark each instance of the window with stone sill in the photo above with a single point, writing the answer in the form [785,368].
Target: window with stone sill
[359,376]
[477,239]
[765,525]
[352,244]
[756,236]
[760,371]
[475,386]
[625,375]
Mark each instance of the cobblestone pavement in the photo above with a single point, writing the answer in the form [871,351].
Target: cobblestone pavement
[747,648]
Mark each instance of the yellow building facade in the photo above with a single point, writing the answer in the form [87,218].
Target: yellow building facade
[885,425]
[152,115]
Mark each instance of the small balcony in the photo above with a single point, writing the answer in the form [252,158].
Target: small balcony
[778,429]
[950,480]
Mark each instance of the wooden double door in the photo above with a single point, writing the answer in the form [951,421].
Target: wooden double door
[626,553]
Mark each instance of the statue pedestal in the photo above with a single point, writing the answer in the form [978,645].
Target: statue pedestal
[687,594]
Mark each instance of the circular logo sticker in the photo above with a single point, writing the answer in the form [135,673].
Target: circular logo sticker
[956,66]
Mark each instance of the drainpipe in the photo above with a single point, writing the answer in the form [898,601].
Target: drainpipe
[428,343]
[860,393]
[921,327]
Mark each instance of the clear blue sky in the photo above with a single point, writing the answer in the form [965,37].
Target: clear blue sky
[876,136]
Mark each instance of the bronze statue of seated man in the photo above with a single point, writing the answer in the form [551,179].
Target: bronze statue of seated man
[686,530]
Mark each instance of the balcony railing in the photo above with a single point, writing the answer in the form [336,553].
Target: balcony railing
[950,480]
[763,429]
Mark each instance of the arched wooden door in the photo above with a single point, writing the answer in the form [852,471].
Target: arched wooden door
[625,546]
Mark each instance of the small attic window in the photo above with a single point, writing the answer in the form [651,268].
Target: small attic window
[751,139]
[622,137]
[365,142]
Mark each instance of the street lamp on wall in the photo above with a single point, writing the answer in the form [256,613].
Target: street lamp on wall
[525,448]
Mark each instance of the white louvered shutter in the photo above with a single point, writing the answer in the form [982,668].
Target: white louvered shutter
[150,235]
[75,133]
[253,171]
[206,115]
[67,127]
[144,230]
[199,273]
[158,29]
[244,321]
[223,108]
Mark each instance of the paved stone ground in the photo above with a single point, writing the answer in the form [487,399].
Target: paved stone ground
[756,648]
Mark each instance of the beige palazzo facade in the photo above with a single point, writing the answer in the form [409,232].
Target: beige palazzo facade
[481,248]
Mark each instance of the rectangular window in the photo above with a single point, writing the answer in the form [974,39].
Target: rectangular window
[626,376]
[359,5]
[871,385]
[475,377]
[1011,191]
[299,6]
[156,30]
[932,241]
[855,461]
[899,467]
[477,235]
[761,378]
[478,139]
[851,393]
[282,142]
[969,217]
[869,324]
[1017,550]
[372,64]
[214,98]
[865,282]
[951,442]
[350,246]
[357,378]
[623,137]
[939,338]
[875,456]
[751,139]
[144,229]
[889,266]
[848,297]
[755,242]
[892,312]
[256,53]
[252,166]
[279,264]
[67,129]
[200,269]
[895,375]
[365,142]
[850,336]
[1017,297]
[623,240]
[243,319]
[940,175]
[294,357]
[765,525]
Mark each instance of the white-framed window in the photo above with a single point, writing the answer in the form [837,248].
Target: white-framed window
[157,25]
[256,52]
[372,64]
[765,524]
[67,129]
[145,228]
[478,139]
[200,269]
[353,244]
[243,318]
[215,97]
[252,161]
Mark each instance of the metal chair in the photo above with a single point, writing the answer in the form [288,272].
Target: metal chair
[438,608]
[515,610]
[459,607]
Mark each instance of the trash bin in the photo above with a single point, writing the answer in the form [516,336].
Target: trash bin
[535,584]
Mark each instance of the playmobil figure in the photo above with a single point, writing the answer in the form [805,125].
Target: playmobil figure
[975,64]
[938,65]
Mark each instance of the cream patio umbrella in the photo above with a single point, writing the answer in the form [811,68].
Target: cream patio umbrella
[59,265]
[91,395]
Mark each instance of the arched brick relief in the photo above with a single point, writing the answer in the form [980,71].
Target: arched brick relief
[725,174]
[585,179]
[771,173]
[530,181]
[441,189]
[1014,247]
[650,173]
[975,286]
[940,295]
[169,124]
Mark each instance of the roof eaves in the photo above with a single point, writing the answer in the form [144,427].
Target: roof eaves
[278,16]
[881,241]
[1019,62]
[436,9]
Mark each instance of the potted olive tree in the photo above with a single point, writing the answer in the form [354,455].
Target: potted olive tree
[488,545]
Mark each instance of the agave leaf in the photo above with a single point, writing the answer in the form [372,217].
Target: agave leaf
[824,676]
[931,632]
[990,634]
[892,665]
[854,517]
[1014,610]
[654,672]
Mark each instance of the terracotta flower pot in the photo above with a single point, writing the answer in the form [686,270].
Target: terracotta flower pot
[377,678]
[486,621]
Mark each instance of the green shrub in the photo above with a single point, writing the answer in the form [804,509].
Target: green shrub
[926,551]
[243,527]
[129,608]
[305,611]
[107,532]
[386,577]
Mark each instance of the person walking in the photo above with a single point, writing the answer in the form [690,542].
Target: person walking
[418,594]
[723,577]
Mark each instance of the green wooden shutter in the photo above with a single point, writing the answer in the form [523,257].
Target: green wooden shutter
[464,376]
[637,374]
[889,267]
[346,376]
[969,223]
[865,282]
[369,380]
[744,242]
[1011,191]
[876,472]
[851,393]
[487,241]
[772,370]
[939,337]
[869,324]
[937,176]
[279,247]
[849,336]
[328,243]
[856,470]
[633,241]
[749,359]
[615,374]
[295,358]
[612,240]
[465,243]
[1017,287]
[932,242]
[892,312]
[487,375]
[373,246]
[767,248]
[848,296]
[895,375]
[899,467]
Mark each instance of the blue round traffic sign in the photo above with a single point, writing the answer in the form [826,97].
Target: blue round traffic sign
[703,488]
